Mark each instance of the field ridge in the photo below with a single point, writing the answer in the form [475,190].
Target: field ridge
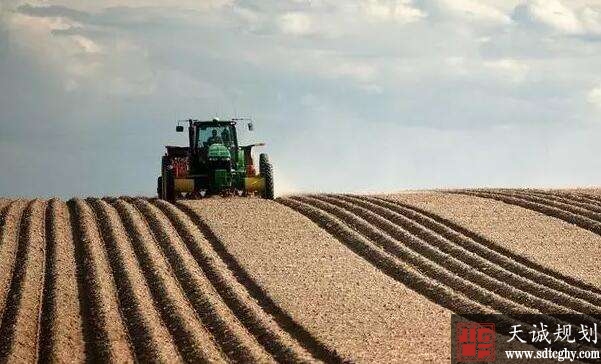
[131,279]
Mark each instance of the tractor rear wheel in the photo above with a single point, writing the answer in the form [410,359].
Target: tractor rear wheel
[266,171]
[263,159]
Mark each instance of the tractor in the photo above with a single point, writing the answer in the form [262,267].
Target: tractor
[213,164]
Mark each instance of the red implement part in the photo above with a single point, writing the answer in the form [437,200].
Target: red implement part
[180,167]
[251,171]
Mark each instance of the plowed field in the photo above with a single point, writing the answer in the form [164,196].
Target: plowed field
[308,278]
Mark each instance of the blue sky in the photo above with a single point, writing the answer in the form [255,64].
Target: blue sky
[349,95]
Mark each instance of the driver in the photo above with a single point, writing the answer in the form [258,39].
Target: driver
[214,138]
[225,136]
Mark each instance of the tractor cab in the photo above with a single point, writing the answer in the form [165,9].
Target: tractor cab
[213,163]
[213,143]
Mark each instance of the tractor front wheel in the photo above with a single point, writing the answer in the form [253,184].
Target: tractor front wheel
[169,186]
[266,171]
[166,182]
[160,187]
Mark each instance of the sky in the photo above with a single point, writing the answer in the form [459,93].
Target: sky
[350,96]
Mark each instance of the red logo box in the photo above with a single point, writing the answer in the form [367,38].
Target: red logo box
[475,342]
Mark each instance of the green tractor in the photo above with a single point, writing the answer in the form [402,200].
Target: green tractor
[213,164]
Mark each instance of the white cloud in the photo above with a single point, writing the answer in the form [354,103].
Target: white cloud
[594,96]
[296,23]
[555,14]
[96,6]
[86,44]
[513,69]
[591,19]
[355,70]
[476,10]
[559,16]
[117,65]
[400,11]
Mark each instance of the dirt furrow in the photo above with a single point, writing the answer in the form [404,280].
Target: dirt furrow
[436,290]
[477,294]
[454,246]
[565,198]
[61,333]
[570,206]
[151,340]
[583,197]
[567,216]
[193,340]
[4,202]
[583,210]
[548,241]
[438,265]
[233,338]
[10,221]
[105,332]
[285,340]
[20,321]
[496,254]
[573,207]
[587,197]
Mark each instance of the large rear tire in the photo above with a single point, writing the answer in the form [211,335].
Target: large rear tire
[266,171]
[263,159]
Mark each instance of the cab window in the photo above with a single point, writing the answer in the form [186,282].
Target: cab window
[208,135]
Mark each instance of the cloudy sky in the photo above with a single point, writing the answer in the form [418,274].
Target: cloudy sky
[349,95]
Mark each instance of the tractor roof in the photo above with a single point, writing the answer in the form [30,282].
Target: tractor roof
[215,123]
